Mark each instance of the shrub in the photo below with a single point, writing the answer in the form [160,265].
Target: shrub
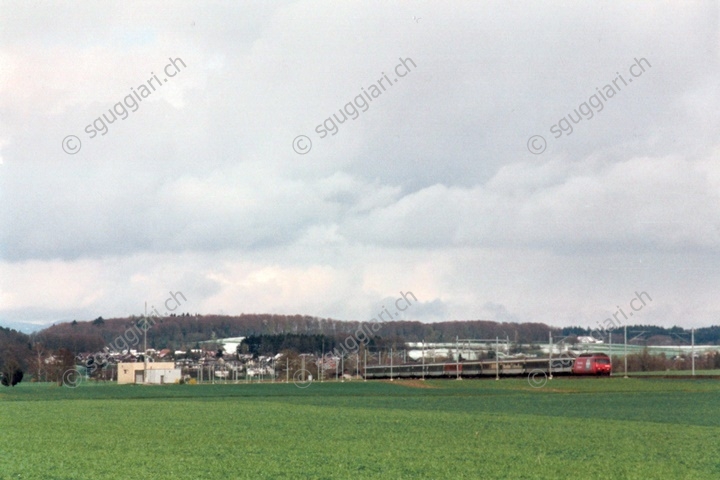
[11,373]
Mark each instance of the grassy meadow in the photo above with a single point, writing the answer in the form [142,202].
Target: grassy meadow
[570,428]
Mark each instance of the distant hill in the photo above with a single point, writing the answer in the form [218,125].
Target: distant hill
[187,331]
[24,327]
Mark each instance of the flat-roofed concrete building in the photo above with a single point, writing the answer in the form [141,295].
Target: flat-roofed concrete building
[156,373]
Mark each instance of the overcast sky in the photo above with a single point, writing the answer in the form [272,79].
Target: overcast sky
[434,182]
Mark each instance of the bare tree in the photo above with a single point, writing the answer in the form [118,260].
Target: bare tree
[11,373]
[38,362]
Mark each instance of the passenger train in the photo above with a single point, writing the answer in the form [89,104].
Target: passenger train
[585,364]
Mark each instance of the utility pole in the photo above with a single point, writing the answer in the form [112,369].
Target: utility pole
[497,359]
[145,327]
[610,352]
[287,369]
[626,376]
[365,367]
[692,349]
[550,355]
[391,364]
[457,362]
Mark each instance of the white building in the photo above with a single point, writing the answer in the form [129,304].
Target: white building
[157,373]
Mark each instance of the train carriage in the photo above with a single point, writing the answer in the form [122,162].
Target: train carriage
[585,364]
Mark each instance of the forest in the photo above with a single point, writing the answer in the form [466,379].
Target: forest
[267,333]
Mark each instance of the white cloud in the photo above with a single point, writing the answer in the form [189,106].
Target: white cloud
[431,189]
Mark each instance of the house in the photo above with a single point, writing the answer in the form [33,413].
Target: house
[228,345]
[157,373]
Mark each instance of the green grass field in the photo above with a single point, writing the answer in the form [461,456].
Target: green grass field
[672,373]
[570,428]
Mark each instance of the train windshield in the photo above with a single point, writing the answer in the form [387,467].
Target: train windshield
[603,361]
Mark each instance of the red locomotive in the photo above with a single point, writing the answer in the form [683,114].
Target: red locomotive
[592,364]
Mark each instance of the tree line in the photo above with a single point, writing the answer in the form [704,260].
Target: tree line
[268,333]
[318,344]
